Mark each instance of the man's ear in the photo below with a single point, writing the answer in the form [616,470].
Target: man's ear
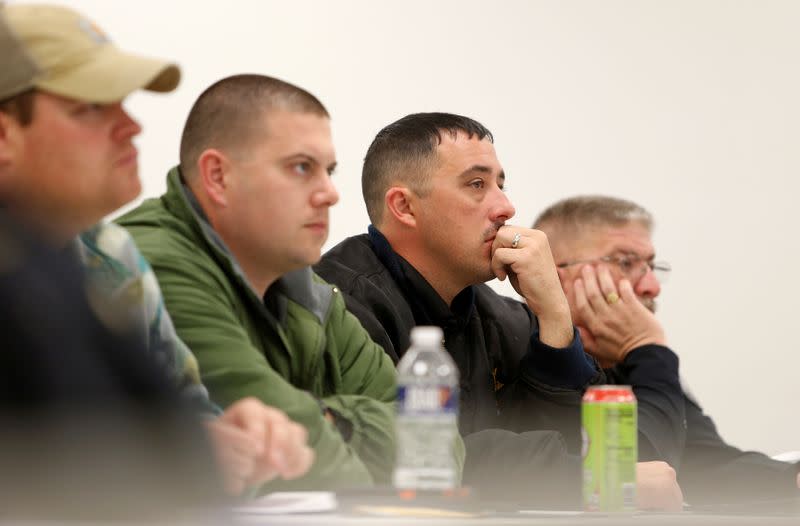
[213,175]
[8,137]
[400,203]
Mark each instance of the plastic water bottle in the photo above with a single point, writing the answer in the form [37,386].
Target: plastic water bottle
[427,413]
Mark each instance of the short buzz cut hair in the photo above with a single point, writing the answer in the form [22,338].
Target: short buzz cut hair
[568,217]
[405,150]
[230,114]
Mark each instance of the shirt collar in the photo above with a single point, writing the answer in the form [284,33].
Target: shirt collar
[428,307]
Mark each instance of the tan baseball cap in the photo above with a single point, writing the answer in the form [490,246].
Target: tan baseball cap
[59,50]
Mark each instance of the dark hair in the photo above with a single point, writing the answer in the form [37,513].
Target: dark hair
[20,106]
[403,152]
[230,112]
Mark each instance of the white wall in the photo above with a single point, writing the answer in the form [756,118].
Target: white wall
[689,107]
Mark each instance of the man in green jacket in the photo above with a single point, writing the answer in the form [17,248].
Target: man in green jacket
[231,241]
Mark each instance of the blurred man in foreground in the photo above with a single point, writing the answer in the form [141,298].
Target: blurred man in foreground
[66,160]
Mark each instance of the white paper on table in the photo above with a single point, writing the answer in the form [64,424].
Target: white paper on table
[553,513]
[290,502]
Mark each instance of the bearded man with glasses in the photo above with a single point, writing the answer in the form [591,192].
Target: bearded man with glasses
[605,258]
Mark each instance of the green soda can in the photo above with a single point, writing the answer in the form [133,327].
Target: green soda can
[610,448]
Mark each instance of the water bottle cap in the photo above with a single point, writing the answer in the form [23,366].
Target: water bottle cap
[427,336]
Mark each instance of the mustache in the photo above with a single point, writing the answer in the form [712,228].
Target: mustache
[492,230]
[650,304]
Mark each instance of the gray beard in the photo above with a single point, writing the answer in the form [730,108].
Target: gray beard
[650,303]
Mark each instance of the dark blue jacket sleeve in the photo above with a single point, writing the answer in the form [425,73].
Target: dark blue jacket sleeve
[714,472]
[569,367]
[652,371]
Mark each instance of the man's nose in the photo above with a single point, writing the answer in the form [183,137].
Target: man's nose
[648,285]
[326,195]
[124,125]
[502,209]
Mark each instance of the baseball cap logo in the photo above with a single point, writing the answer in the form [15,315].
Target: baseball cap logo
[93,31]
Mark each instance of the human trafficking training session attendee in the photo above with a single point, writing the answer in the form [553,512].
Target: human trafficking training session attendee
[66,160]
[433,188]
[231,241]
[607,265]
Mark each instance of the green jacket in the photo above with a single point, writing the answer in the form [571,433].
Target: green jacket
[304,352]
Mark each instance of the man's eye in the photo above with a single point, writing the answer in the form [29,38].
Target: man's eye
[302,168]
[82,109]
[477,184]
[625,263]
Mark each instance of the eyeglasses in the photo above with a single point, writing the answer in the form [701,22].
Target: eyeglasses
[632,266]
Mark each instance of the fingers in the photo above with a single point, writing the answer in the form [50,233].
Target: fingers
[606,282]
[529,244]
[278,441]
[581,301]
[282,448]
[287,449]
[506,235]
[594,295]
[657,487]
[507,240]
[532,271]
[273,462]
[235,440]
[586,308]
[268,465]
[287,452]
[627,293]
[604,326]
[235,453]
[246,414]
[297,456]
[498,267]
[677,497]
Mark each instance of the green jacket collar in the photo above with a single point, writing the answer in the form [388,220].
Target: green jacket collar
[299,286]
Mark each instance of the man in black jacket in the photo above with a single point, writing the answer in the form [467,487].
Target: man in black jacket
[434,192]
[606,265]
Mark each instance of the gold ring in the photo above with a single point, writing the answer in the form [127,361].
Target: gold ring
[612,298]
[515,241]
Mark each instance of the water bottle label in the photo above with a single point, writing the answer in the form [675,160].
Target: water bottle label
[413,399]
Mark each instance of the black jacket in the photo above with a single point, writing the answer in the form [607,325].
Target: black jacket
[520,399]
[716,473]
[652,372]
[710,471]
[494,341]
